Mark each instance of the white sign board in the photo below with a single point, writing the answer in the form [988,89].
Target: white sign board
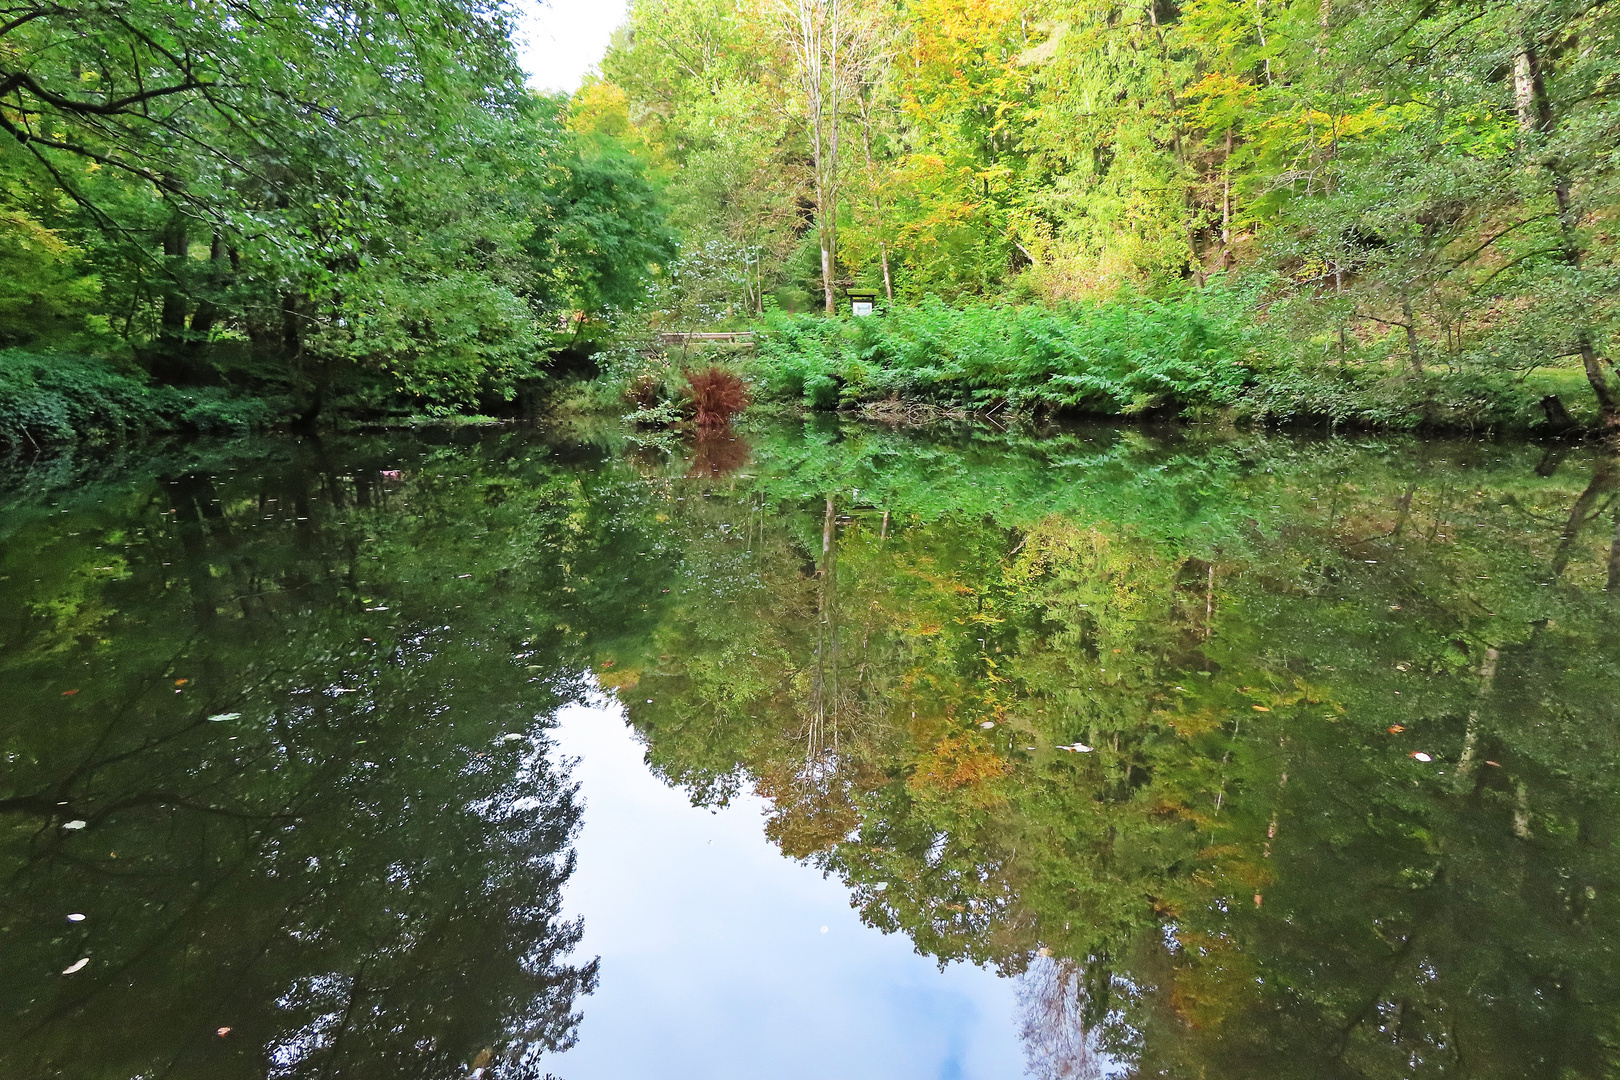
[860,307]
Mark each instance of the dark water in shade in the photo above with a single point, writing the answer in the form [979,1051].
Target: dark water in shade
[1096,753]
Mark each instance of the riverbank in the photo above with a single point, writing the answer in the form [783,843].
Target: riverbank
[1137,360]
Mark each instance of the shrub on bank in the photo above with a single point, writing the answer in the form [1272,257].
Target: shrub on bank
[54,399]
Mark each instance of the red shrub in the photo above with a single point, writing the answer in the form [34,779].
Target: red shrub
[717,395]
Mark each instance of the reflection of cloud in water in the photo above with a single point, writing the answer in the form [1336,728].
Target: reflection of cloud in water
[714,965]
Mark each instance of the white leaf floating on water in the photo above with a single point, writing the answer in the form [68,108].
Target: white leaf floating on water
[988,724]
[511,736]
[1421,756]
[75,824]
[76,966]
[76,917]
[217,717]
[1078,748]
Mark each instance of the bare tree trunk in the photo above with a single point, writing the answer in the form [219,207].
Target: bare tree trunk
[877,199]
[828,43]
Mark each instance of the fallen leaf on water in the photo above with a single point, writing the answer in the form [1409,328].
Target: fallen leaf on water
[1078,748]
[1260,708]
[1496,763]
[75,824]
[1396,729]
[988,724]
[222,1032]
[224,716]
[1421,756]
[1257,899]
[76,966]
[75,917]
[69,693]
[181,682]
[511,736]
[460,576]
[1043,951]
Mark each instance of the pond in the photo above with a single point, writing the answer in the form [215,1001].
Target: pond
[821,750]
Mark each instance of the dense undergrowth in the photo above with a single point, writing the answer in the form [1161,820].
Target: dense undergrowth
[54,399]
[1131,359]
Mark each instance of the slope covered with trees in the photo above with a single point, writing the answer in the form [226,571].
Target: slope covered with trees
[1388,185]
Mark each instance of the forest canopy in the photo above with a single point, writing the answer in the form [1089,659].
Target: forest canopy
[304,199]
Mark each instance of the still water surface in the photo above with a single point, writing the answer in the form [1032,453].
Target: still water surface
[823,751]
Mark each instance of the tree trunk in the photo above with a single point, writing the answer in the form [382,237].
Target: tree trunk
[1536,117]
[207,313]
[167,354]
[1414,354]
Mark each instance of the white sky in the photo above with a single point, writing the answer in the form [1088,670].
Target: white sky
[559,41]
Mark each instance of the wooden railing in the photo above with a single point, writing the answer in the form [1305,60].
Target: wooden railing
[726,337]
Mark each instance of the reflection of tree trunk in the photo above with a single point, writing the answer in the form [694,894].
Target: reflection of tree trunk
[1403,508]
[1465,762]
[824,687]
[1209,603]
[1605,478]
[1613,585]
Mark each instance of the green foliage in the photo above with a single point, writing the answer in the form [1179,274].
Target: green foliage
[57,398]
[1443,173]
[606,236]
[348,206]
[1123,358]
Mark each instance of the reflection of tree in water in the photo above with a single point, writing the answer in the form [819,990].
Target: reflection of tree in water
[1077,733]
[286,738]
[1059,1021]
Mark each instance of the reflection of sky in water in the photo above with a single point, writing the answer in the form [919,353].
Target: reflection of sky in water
[713,960]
